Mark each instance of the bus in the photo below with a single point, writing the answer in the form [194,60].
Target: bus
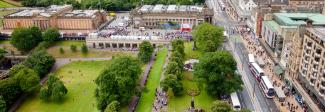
[225,36]
[235,101]
[267,87]
[257,71]
[251,59]
[222,5]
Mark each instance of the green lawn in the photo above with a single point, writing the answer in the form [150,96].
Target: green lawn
[181,103]
[5,42]
[92,53]
[78,78]
[16,3]
[5,4]
[203,100]
[148,95]
[69,43]
[190,54]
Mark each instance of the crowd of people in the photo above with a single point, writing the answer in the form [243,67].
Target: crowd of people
[160,101]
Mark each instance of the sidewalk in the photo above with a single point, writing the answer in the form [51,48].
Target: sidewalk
[254,48]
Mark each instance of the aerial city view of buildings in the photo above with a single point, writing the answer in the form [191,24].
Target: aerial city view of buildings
[162,55]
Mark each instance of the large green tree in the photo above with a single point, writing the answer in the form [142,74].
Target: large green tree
[178,46]
[10,90]
[51,35]
[53,90]
[25,39]
[146,50]
[174,68]
[3,105]
[28,80]
[220,106]
[217,70]
[172,82]
[117,82]
[114,106]
[40,61]
[58,90]
[208,38]
[15,69]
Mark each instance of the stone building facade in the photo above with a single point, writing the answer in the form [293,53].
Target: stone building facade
[152,16]
[61,17]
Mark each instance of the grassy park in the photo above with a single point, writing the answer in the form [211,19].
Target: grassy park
[181,103]
[148,95]
[203,100]
[5,4]
[78,78]
[190,54]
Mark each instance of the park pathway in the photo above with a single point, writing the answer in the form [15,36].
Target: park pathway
[143,80]
[158,104]
[59,62]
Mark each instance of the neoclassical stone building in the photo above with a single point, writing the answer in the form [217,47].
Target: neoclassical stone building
[61,17]
[151,16]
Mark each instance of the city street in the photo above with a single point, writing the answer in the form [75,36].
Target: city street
[251,96]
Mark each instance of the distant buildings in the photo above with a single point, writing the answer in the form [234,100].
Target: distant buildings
[278,30]
[153,16]
[306,65]
[306,2]
[62,17]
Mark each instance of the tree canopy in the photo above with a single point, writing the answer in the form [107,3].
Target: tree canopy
[27,79]
[51,35]
[40,61]
[117,82]
[53,90]
[25,39]
[3,105]
[110,5]
[146,50]
[114,106]
[172,82]
[178,46]
[217,70]
[208,38]
[10,90]
[220,106]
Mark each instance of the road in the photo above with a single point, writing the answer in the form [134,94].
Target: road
[251,96]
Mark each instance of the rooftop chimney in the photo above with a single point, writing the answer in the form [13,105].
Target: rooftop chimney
[309,23]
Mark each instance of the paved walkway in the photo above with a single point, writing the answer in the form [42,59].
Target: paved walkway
[143,81]
[253,47]
[158,104]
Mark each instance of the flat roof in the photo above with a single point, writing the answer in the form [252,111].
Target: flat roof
[272,25]
[80,13]
[159,8]
[47,12]
[296,19]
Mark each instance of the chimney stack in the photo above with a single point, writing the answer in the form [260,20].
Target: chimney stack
[309,23]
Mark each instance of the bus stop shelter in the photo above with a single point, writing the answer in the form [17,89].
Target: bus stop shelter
[280,94]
